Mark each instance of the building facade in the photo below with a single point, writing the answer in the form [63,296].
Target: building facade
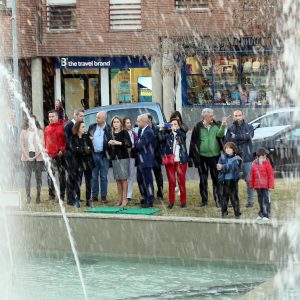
[183,54]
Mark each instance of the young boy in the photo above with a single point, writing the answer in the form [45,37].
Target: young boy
[229,175]
[262,180]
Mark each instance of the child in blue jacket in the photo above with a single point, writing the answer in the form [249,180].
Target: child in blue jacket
[229,175]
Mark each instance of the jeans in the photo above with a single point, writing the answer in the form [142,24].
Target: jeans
[37,168]
[101,169]
[264,201]
[246,170]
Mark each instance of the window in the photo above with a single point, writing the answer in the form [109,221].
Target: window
[61,14]
[125,15]
[231,80]
[5,4]
[192,4]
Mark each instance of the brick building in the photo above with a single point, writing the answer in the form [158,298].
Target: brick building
[184,54]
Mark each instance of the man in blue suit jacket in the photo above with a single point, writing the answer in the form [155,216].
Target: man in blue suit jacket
[146,160]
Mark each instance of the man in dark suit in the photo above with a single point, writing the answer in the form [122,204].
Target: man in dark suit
[146,161]
[100,134]
[78,116]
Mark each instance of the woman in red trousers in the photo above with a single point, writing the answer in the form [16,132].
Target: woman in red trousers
[173,141]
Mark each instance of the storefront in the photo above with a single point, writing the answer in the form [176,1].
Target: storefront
[234,72]
[93,81]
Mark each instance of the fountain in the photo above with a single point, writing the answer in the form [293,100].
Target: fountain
[125,257]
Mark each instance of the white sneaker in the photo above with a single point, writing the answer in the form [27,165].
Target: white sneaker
[259,218]
[265,219]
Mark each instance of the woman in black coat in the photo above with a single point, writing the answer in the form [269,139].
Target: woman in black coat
[82,149]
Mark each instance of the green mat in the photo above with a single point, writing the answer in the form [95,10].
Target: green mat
[123,210]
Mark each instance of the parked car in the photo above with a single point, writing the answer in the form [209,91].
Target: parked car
[275,121]
[284,149]
[132,111]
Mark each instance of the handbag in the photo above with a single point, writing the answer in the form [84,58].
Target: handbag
[168,159]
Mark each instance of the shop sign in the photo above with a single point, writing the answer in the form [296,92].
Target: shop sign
[101,62]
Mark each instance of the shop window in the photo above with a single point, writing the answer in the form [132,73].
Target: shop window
[131,85]
[61,14]
[258,79]
[125,15]
[230,80]
[192,4]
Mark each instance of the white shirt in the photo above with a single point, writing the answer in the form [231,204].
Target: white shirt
[176,148]
[143,130]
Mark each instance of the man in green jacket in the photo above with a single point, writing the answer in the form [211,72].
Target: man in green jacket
[205,150]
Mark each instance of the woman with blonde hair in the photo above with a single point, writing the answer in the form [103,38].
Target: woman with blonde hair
[119,147]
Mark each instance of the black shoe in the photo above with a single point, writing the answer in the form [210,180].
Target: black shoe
[70,203]
[128,199]
[218,204]
[89,204]
[145,205]
[183,205]
[38,201]
[238,216]
[248,205]
[202,204]
[224,215]
[170,206]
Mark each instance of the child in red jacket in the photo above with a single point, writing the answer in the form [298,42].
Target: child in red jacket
[262,180]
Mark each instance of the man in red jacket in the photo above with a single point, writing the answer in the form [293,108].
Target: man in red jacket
[55,147]
[262,180]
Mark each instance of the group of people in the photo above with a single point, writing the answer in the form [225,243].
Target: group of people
[75,151]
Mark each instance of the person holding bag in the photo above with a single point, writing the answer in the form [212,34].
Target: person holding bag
[31,156]
[119,147]
[175,159]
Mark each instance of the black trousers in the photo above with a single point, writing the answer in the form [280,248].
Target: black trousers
[230,191]
[88,184]
[145,183]
[264,201]
[37,168]
[58,164]
[209,164]
[71,178]
[159,181]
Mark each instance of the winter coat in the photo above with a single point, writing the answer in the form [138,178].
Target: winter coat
[243,139]
[120,151]
[55,139]
[261,175]
[167,140]
[230,167]
[24,145]
[196,140]
[82,150]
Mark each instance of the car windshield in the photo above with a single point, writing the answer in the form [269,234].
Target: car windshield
[132,113]
[278,119]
